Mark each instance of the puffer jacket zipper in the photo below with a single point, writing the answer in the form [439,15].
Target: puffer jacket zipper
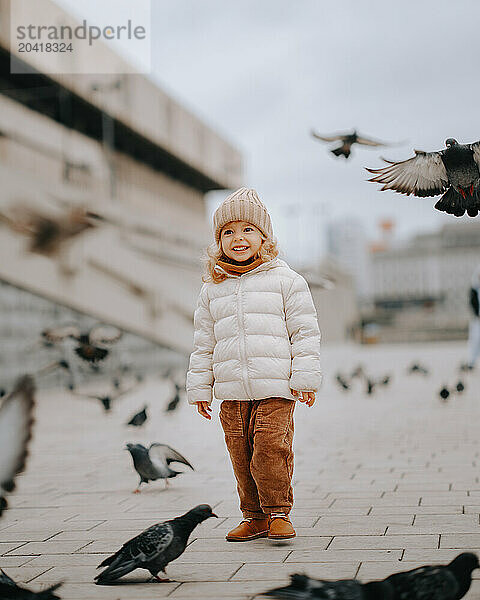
[243,342]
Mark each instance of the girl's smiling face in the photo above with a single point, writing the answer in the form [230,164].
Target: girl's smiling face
[240,240]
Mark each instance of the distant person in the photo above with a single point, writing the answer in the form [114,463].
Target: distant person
[474,329]
[257,348]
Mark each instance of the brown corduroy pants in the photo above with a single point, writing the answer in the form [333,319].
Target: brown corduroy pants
[259,439]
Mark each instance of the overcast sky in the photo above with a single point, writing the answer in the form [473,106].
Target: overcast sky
[264,72]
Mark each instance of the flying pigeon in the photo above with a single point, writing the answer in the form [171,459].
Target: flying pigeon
[453,172]
[441,582]
[303,587]
[155,547]
[48,233]
[16,422]
[9,590]
[347,140]
[386,380]
[139,418]
[444,393]
[154,462]
[172,405]
[465,367]
[91,344]
[342,382]
[460,387]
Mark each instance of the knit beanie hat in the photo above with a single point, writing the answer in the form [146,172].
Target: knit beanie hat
[242,205]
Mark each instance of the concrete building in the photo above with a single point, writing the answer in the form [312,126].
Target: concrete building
[333,292]
[423,284]
[348,245]
[121,146]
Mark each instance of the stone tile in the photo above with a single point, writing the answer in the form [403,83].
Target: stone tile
[219,591]
[307,556]
[33,548]
[380,570]
[460,540]
[390,542]
[265,571]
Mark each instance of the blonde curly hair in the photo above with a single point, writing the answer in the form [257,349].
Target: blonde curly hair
[268,251]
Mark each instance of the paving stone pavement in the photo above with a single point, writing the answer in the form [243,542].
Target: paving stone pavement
[383,483]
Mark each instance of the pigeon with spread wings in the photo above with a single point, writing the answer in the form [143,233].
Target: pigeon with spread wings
[92,344]
[347,140]
[453,172]
[16,422]
[154,463]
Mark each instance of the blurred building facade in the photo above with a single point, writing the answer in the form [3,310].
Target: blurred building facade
[335,299]
[121,146]
[347,243]
[420,289]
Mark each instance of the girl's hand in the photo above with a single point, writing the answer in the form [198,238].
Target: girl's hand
[203,408]
[307,397]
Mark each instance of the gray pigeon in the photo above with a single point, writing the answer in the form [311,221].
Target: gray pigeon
[303,587]
[453,172]
[440,582]
[347,140]
[155,547]
[139,418]
[9,590]
[16,422]
[153,463]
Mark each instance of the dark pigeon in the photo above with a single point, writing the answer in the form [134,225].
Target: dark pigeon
[370,386]
[453,172]
[9,590]
[303,587]
[444,393]
[154,463]
[172,405]
[460,387]
[139,418]
[386,380]
[441,582]
[417,368]
[342,382]
[93,345]
[16,423]
[347,140]
[155,547]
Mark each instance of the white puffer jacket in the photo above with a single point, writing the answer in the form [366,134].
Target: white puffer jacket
[256,336]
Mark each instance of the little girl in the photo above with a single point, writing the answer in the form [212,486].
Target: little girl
[256,348]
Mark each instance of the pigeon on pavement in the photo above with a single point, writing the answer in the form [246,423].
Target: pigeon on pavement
[444,393]
[153,463]
[139,418]
[453,172]
[172,405]
[9,590]
[441,582]
[347,140]
[16,422]
[155,547]
[342,382]
[303,587]
[417,368]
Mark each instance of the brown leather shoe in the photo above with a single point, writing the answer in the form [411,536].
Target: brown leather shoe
[280,527]
[249,529]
